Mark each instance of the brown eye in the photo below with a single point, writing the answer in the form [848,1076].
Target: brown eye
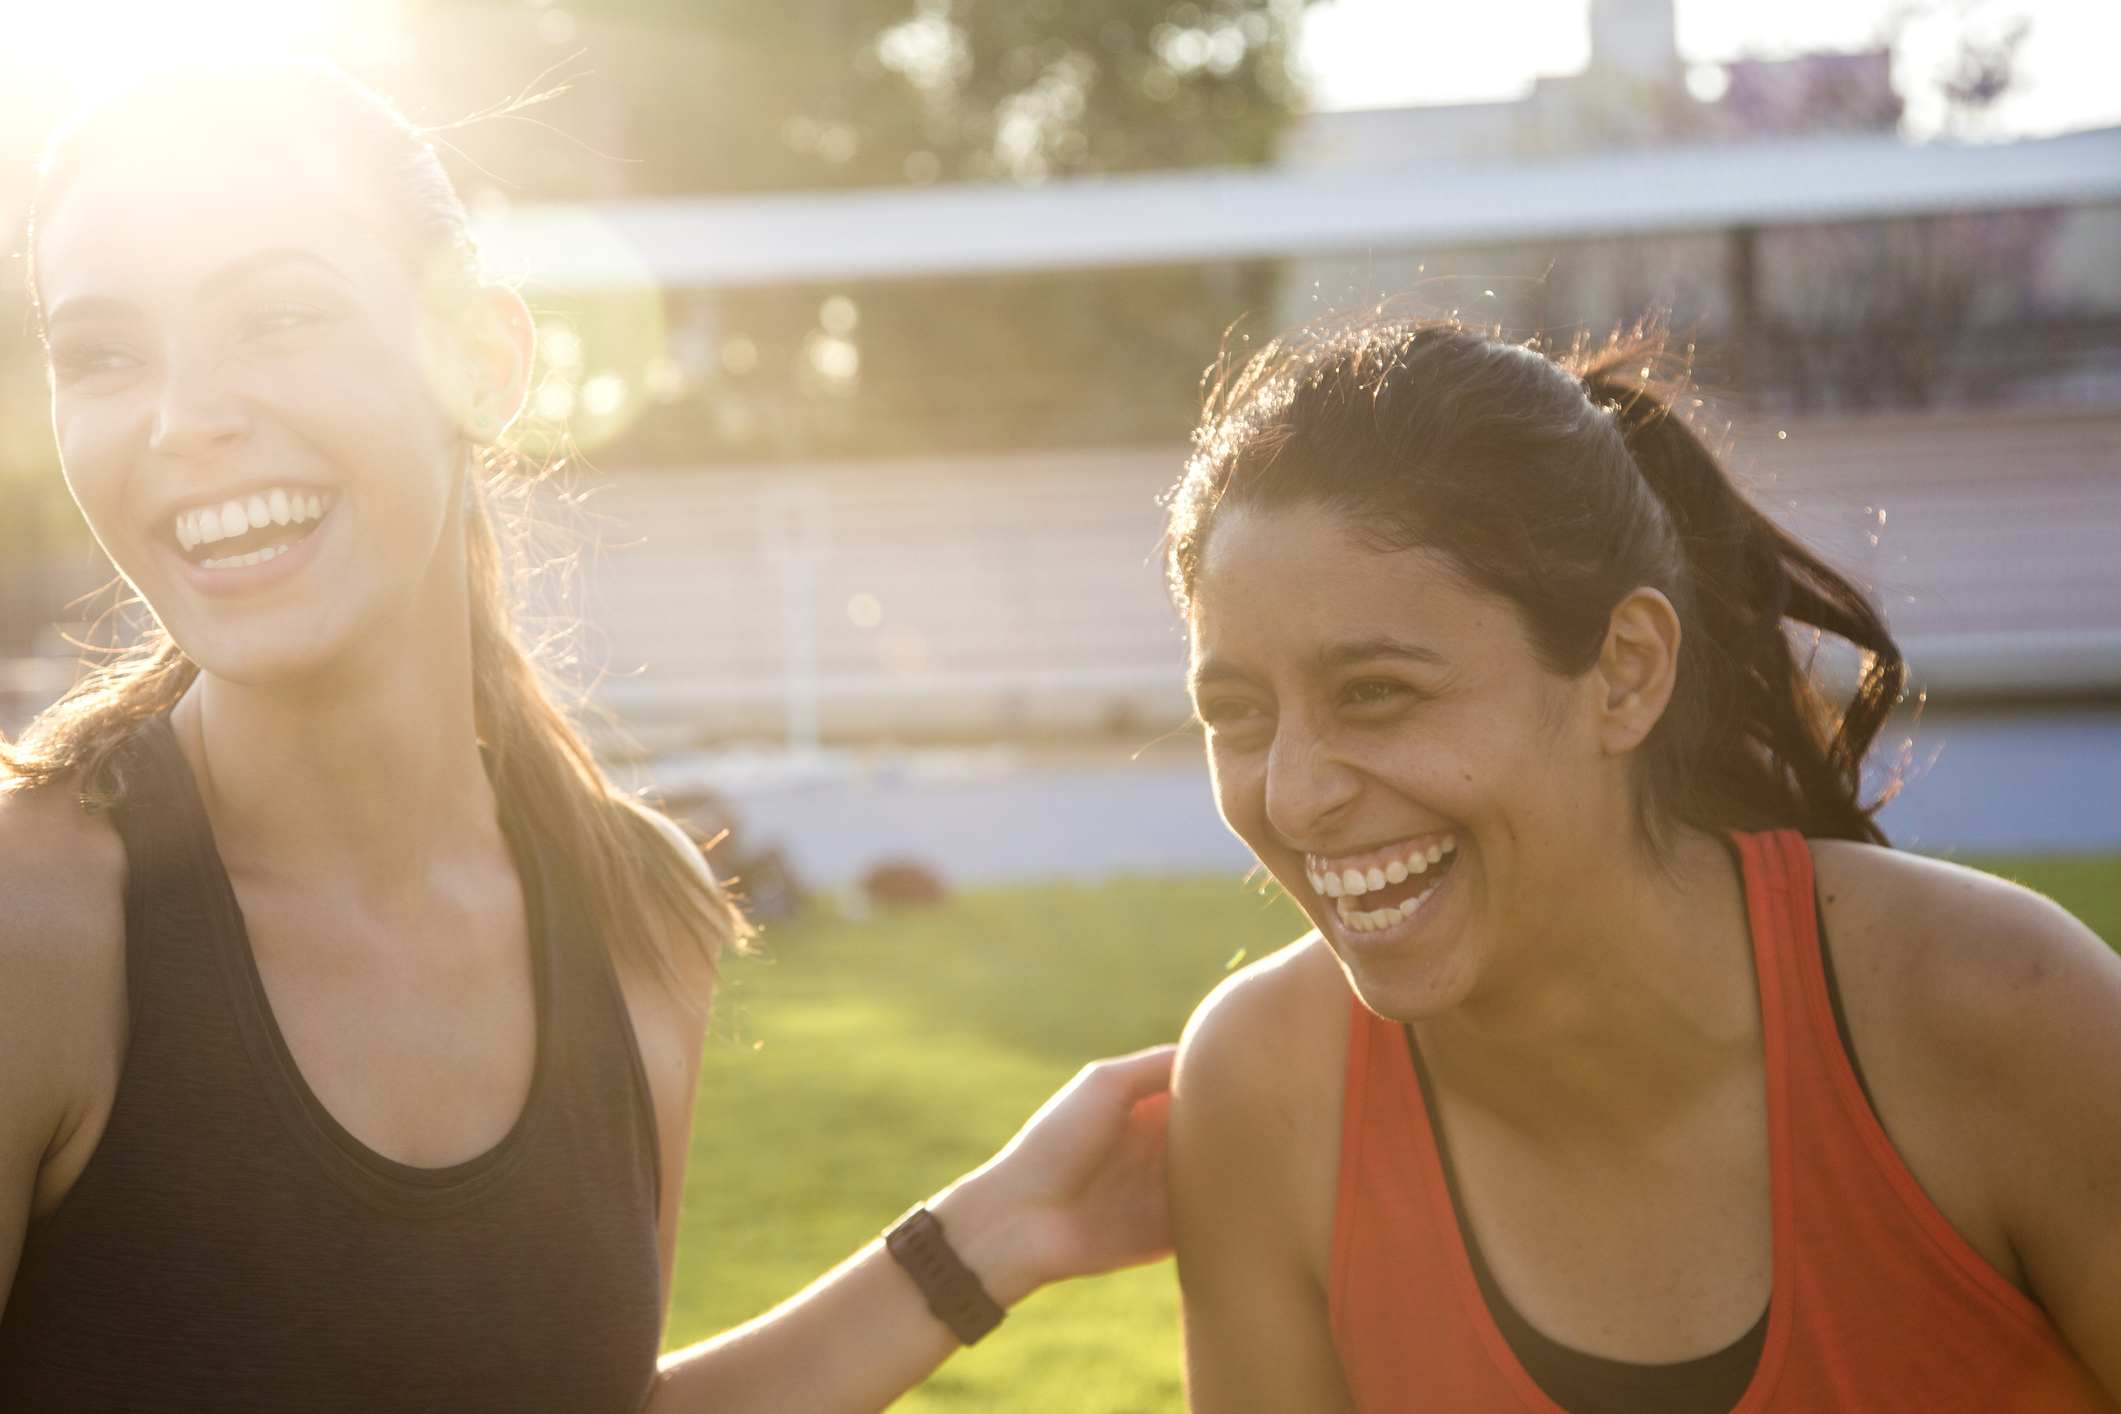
[1376,693]
[1227,714]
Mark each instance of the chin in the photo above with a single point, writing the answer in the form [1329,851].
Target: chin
[1411,986]
[279,648]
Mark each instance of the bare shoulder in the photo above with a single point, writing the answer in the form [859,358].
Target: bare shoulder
[1271,1026]
[1959,957]
[674,835]
[1253,1155]
[1258,1087]
[670,1012]
[686,990]
[1988,1023]
[62,990]
[62,897]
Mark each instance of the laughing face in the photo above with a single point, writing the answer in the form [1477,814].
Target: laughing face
[252,409]
[1389,744]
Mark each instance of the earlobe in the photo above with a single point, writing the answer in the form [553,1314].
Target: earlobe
[1638,667]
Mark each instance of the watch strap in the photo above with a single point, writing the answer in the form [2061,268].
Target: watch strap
[954,1293]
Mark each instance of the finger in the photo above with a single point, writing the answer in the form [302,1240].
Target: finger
[1140,1075]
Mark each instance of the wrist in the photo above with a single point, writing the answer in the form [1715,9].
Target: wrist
[991,1235]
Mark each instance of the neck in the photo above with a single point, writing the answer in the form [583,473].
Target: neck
[1616,1013]
[370,765]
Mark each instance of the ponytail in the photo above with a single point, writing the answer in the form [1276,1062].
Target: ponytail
[1562,488]
[1749,740]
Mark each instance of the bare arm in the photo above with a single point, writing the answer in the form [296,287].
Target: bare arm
[1988,1022]
[62,1002]
[1078,1191]
[1254,1147]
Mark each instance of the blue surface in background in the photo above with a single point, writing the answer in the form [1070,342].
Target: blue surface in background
[2024,783]
[2029,783]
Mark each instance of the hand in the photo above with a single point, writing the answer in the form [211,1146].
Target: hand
[1079,1190]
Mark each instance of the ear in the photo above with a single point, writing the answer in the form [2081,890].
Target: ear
[1637,668]
[495,346]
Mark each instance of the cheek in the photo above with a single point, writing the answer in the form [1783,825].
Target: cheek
[95,455]
[1240,794]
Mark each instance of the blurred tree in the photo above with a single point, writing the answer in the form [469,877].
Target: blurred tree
[672,97]
[678,97]
[682,96]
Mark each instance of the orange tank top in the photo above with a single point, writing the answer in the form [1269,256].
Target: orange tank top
[1877,1303]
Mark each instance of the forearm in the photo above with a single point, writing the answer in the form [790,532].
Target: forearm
[852,1341]
[1078,1191]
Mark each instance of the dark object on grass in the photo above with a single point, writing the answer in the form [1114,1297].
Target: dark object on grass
[903,883]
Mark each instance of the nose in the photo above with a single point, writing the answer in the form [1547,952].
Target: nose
[1309,787]
[197,416]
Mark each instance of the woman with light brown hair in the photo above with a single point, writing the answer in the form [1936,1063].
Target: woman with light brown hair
[349,1019]
[1627,1071]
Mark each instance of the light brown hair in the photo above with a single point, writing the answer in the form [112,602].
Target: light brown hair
[651,904]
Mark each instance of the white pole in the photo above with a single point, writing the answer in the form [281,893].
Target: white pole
[794,523]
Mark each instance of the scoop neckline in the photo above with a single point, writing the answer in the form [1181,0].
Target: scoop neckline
[408,1190]
[1774,1323]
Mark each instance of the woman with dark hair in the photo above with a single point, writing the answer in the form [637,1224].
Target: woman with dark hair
[349,1019]
[1627,1069]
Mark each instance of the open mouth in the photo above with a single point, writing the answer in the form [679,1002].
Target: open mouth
[1383,886]
[251,530]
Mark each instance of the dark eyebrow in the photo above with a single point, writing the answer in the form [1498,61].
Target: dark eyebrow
[1362,650]
[1337,655]
[1217,670]
[237,271]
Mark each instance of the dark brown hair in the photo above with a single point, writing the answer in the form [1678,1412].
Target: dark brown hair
[653,905]
[1562,487]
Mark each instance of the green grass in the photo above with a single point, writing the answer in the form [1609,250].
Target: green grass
[859,1066]
[2089,888]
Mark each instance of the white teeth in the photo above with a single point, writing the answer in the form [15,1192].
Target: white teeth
[1354,883]
[1358,920]
[203,525]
